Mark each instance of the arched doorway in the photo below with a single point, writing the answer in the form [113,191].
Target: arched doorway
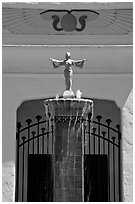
[35,153]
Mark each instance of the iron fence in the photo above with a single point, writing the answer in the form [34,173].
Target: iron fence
[99,139]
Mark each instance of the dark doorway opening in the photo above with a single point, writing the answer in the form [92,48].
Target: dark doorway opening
[40,178]
[95,178]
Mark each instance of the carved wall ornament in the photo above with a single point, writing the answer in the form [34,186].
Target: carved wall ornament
[96,23]
[69,21]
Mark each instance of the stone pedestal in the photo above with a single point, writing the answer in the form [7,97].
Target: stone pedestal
[68,94]
[69,115]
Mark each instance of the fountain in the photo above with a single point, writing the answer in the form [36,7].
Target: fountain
[70,114]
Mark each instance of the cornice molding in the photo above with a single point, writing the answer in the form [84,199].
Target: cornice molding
[69,5]
[12,39]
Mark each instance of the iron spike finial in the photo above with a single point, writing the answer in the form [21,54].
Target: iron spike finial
[108,121]
[28,121]
[43,129]
[19,125]
[38,117]
[23,138]
[89,115]
[99,117]
[33,133]
[118,127]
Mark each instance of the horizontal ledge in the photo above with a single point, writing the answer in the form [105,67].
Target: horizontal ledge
[16,39]
[89,46]
[69,5]
[42,75]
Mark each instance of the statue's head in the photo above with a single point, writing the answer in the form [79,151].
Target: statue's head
[68,55]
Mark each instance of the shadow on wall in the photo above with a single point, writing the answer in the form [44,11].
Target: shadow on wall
[35,136]
[107,109]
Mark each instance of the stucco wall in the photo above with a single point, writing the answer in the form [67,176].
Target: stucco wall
[127,117]
[127,113]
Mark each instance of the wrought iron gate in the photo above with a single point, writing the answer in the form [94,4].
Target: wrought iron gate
[100,139]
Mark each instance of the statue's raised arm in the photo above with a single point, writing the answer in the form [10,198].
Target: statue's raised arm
[78,63]
[56,63]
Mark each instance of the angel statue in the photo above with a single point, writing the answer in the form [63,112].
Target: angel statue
[68,72]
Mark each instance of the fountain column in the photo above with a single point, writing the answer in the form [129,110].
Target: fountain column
[69,116]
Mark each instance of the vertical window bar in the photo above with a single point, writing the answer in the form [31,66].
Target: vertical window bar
[28,121]
[17,161]
[108,121]
[43,133]
[33,135]
[38,138]
[84,130]
[89,182]
[52,139]
[23,138]
[94,132]
[119,162]
[113,139]
[99,117]
[89,126]
[103,133]
[38,117]
[48,137]
[48,130]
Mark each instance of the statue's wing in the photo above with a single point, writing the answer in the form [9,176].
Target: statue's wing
[78,63]
[57,63]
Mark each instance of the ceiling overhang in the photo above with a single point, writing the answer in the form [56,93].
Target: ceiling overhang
[69,5]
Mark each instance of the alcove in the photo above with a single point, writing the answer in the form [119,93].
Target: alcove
[36,159]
